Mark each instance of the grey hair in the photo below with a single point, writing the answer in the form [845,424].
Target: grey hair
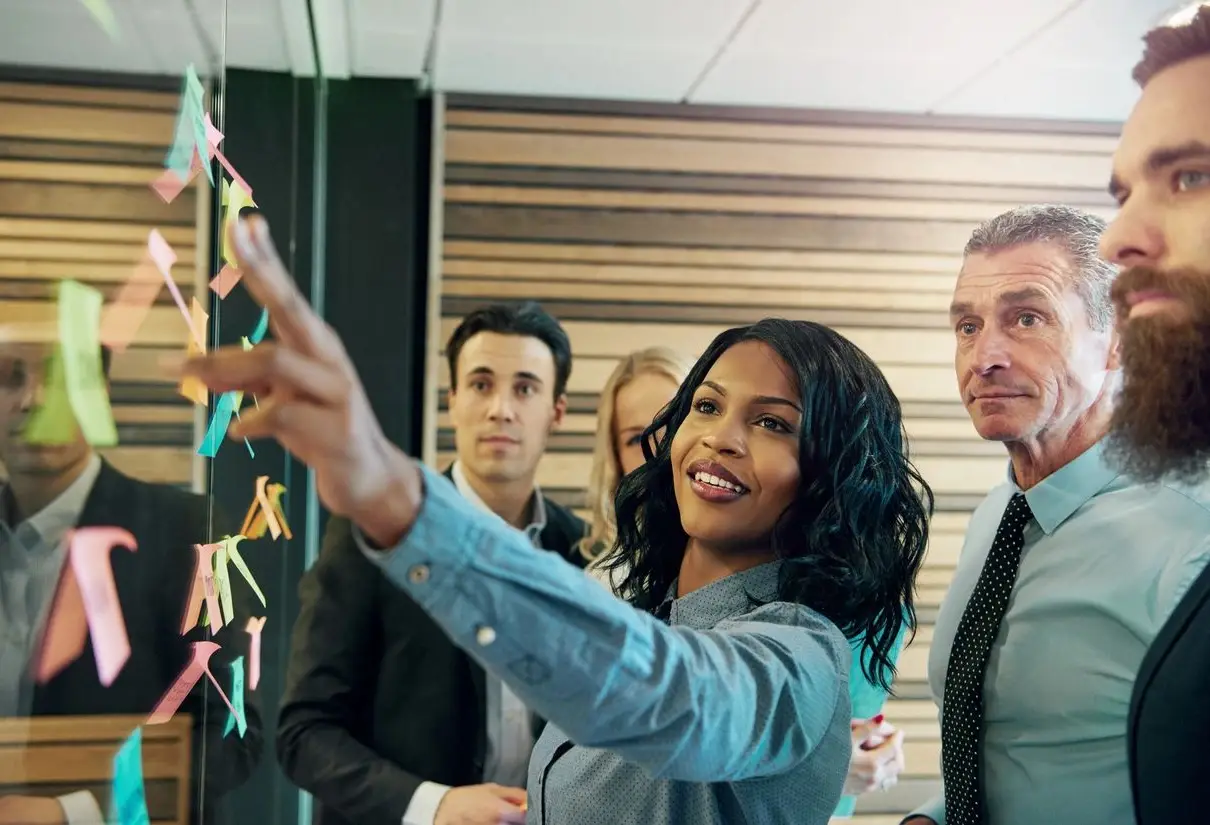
[1076,231]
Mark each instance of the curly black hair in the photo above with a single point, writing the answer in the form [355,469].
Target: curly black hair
[854,538]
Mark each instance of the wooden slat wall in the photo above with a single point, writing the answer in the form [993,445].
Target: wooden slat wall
[644,224]
[75,163]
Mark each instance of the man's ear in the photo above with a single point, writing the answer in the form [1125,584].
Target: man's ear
[1114,361]
[449,399]
[560,411]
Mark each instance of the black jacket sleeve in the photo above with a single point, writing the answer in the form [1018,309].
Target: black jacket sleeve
[330,682]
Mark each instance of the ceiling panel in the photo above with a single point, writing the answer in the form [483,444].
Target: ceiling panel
[1077,69]
[57,34]
[389,38]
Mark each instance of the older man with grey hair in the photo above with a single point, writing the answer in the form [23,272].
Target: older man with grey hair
[1069,568]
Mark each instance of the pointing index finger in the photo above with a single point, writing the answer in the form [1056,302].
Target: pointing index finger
[295,323]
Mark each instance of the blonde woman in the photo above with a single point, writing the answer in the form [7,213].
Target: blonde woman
[640,386]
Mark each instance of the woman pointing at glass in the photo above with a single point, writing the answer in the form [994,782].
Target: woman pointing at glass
[777,516]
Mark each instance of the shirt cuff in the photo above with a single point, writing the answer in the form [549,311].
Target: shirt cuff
[81,808]
[422,810]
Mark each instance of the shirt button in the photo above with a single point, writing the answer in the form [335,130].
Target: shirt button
[485,635]
[419,574]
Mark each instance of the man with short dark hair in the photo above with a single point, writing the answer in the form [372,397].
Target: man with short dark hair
[1161,427]
[385,720]
[52,489]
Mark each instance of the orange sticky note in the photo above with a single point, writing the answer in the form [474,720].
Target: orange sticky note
[203,587]
[190,387]
[254,627]
[225,281]
[265,512]
[122,317]
[66,631]
[198,666]
[89,550]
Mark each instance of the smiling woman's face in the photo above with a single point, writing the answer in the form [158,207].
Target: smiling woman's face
[635,405]
[735,456]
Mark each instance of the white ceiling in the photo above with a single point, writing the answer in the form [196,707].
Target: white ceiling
[1066,59]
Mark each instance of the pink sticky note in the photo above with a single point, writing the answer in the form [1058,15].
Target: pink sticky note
[164,257]
[192,672]
[89,552]
[225,280]
[235,176]
[213,136]
[254,627]
[203,587]
[169,186]
[266,507]
[122,317]
[65,633]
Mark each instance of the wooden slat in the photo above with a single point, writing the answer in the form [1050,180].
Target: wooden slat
[48,121]
[85,251]
[179,236]
[90,96]
[86,271]
[161,465]
[102,173]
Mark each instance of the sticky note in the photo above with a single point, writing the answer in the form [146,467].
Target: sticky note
[87,390]
[220,420]
[128,800]
[52,421]
[89,552]
[189,135]
[122,317]
[262,326]
[164,257]
[222,580]
[231,545]
[190,387]
[199,665]
[65,633]
[265,512]
[235,197]
[253,628]
[103,14]
[266,507]
[213,136]
[225,281]
[202,588]
[238,716]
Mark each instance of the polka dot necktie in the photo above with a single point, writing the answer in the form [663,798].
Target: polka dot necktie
[962,705]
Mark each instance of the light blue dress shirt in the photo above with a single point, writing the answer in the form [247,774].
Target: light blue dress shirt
[729,714]
[1105,561]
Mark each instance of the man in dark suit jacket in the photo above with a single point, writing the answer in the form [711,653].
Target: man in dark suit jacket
[384,720]
[1161,428]
[51,490]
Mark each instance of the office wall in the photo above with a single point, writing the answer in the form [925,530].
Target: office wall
[75,163]
[640,224]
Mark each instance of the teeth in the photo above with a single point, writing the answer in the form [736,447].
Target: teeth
[715,481]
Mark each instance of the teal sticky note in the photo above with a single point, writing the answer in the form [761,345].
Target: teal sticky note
[224,408]
[237,699]
[262,326]
[128,801]
[189,134]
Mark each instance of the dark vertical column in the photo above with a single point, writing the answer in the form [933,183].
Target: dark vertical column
[269,123]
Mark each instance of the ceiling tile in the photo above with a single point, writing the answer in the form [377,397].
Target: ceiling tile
[389,38]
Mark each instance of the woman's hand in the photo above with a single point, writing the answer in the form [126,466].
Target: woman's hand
[877,757]
[311,400]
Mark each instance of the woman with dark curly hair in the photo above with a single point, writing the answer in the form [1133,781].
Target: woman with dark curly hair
[779,513]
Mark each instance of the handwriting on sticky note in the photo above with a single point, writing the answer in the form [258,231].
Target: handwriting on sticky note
[87,390]
[122,317]
[199,666]
[89,550]
[128,799]
[202,588]
[65,632]
[52,421]
[225,281]
[237,717]
[255,625]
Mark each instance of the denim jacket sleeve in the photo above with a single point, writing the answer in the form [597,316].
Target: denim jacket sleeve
[752,697]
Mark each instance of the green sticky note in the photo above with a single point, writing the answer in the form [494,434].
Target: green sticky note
[231,546]
[237,718]
[80,344]
[52,422]
[103,14]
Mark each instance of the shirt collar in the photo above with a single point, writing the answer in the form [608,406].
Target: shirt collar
[1055,498]
[53,521]
[707,606]
[537,521]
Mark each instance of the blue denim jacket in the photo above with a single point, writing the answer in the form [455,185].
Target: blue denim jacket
[727,714]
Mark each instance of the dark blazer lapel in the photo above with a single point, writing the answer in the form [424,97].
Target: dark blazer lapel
[1169,633]
[102,501]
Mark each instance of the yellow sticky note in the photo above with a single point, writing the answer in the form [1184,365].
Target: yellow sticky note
[52,421]
[236,197]
[190,387]
[231,543]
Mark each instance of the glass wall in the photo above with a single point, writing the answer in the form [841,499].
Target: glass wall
[148,565]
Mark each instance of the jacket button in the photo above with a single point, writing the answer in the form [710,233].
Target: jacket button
[419,574]
[485,635]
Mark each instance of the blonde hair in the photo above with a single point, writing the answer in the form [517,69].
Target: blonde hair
[603,483]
